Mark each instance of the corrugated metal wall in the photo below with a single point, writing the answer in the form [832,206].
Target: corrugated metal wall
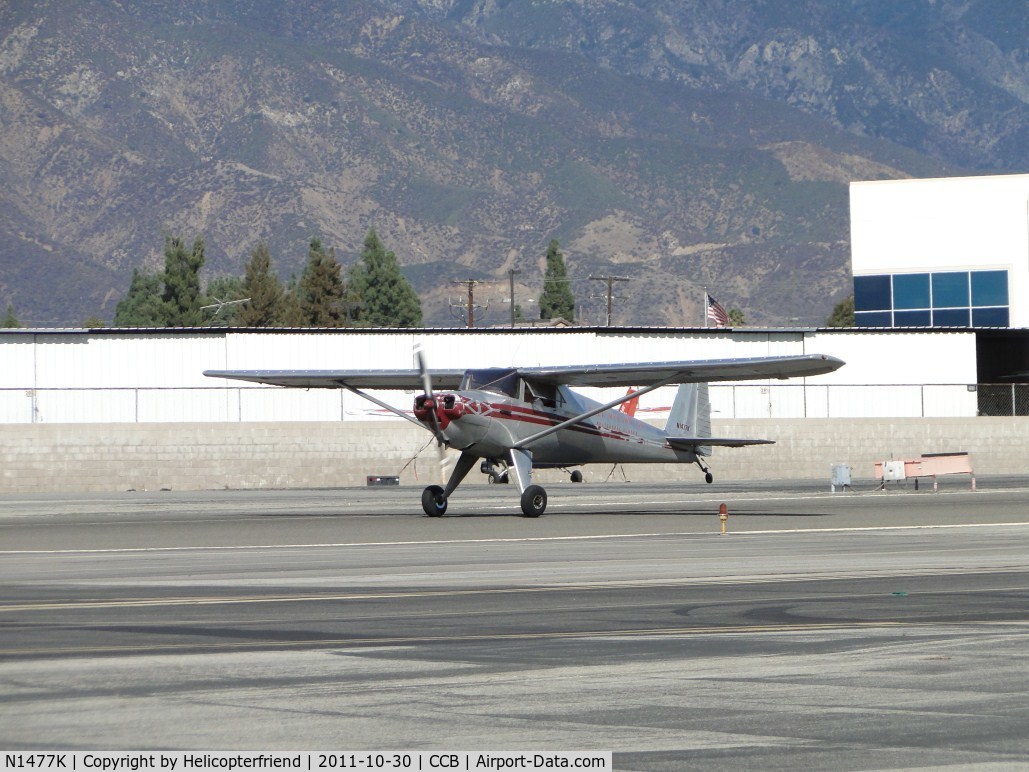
[102,377]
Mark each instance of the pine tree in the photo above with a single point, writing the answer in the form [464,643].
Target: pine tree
[842,314]
[291,315]
[320,289]
[182,282]
[265,307]
[385,297]
[10,320]
[142,305]
[557,299]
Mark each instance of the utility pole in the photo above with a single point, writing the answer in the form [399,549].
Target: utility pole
[610,284]
[510,279]
[471,300]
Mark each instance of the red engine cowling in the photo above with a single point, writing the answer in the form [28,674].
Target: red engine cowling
[446,406]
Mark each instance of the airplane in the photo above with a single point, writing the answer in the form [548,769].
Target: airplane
[515,419]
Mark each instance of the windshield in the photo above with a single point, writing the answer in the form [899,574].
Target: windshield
[497,380]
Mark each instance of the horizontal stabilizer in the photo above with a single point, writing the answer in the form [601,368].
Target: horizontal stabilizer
[692,443]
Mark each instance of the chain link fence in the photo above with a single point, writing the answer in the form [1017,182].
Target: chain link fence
[1000,400]
[253,404]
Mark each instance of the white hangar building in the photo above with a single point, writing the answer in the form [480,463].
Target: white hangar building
[115,376]
[119,410]
[950,252]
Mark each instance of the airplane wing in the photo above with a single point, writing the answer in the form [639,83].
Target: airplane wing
[335,379]
[700,371]
[695,371]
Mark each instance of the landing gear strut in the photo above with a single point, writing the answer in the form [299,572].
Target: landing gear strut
[434,498]
[518,465]
[534,498]
[708,477]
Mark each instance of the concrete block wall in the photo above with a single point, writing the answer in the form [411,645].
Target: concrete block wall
[806,448]
[205,456]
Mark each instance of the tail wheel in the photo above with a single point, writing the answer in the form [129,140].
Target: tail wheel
[534,501]
[433,501]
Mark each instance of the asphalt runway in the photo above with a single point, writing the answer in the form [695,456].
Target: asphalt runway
[852,631]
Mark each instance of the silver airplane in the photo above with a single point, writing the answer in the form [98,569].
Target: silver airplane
[511,420]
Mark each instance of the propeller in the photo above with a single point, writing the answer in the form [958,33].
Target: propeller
[437,431]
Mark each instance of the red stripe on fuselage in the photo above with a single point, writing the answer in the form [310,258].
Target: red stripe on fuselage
[527,415]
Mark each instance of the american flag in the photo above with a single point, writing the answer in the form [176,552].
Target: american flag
[716,313]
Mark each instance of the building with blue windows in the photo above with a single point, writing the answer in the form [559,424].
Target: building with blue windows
[950,252]
[937,299]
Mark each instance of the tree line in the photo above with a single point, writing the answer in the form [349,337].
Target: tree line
[373,294]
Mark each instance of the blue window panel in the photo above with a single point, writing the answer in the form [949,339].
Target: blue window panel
[950,290]
[951,317]
[912,318]
[990,317]
[873,319]
[989,288]
[911,290]
[872,293]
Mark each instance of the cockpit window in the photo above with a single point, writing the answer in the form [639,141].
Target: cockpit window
[545,394]
[497,380]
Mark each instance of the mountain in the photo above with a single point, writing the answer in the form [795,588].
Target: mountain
[680,144]
[946,77]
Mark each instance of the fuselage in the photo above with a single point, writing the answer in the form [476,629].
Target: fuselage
[488,424]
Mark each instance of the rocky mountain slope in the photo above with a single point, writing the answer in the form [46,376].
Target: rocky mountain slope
[946,77]
[680,144]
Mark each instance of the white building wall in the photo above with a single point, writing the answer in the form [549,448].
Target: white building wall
[17,361]
[958,223]
[878,357]
[83,377]
[75,360]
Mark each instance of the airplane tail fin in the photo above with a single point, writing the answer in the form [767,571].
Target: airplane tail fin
[629,407]
[690,417]
[689,423]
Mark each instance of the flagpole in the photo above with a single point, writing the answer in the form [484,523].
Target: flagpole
[704,307]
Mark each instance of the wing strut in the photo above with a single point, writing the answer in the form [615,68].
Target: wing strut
[595,411]
[382,404]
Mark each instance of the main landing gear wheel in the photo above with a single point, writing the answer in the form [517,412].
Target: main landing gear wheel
[576,476]
[433,501]
[709,478]
[534,501]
